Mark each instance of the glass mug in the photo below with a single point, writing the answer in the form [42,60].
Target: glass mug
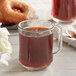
[36,43]
[64,10]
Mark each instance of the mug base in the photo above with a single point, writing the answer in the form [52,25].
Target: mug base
[62,21]
[32,68]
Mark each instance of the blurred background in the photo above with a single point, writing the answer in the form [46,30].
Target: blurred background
[43,6]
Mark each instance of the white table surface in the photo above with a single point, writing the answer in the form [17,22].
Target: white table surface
[64,62]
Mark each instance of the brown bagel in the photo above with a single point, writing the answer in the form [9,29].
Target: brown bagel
[16,11]
[2,19]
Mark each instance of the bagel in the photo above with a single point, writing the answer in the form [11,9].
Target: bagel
[16,11]
[2,19]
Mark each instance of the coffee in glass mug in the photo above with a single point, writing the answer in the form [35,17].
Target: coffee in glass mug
[36,43]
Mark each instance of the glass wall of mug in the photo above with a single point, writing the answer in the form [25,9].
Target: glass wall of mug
[64,10]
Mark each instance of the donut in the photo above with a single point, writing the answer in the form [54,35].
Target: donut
[2,19]
[16,11]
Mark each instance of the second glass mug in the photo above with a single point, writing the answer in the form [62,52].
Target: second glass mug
[36,43]
[64,10]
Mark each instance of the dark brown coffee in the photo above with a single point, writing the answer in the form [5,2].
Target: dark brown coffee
[36,52]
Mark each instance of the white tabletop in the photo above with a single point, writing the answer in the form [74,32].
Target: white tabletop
[64,62]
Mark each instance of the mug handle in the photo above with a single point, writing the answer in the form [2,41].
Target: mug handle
[58,26]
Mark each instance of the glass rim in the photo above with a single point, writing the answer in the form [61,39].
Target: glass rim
[46,21]
[19,25]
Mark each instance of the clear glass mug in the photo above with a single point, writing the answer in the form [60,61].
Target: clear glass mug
[64,10]
[36,43]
